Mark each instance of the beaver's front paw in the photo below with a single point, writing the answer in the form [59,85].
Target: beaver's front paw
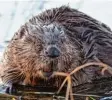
[11,89]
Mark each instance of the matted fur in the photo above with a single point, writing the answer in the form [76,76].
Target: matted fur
[79,38]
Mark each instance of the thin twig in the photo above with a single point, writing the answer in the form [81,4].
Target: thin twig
[68,76]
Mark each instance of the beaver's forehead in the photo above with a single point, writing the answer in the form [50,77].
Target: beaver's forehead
[52,30]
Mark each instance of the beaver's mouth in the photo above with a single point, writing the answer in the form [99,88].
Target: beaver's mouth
[48,71]
[47,74]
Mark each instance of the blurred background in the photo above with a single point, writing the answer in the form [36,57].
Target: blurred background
[14,13]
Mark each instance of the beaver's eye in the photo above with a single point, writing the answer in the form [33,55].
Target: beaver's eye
[62,36]
[61,32]
[63,39]
[21,33]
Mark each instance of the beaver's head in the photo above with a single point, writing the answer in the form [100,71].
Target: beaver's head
[50,48]
[39,50]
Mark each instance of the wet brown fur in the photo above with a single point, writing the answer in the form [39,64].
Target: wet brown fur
[86,40]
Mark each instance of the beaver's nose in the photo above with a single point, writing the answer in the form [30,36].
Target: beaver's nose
[53,52]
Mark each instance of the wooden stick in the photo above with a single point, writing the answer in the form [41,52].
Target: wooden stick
[68,76]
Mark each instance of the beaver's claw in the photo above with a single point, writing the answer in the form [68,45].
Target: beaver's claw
[11,89]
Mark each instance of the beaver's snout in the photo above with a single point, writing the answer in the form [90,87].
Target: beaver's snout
[53,52]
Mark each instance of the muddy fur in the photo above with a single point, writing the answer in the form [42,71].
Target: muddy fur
[78,37]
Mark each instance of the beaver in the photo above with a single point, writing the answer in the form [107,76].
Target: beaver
[58,39]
